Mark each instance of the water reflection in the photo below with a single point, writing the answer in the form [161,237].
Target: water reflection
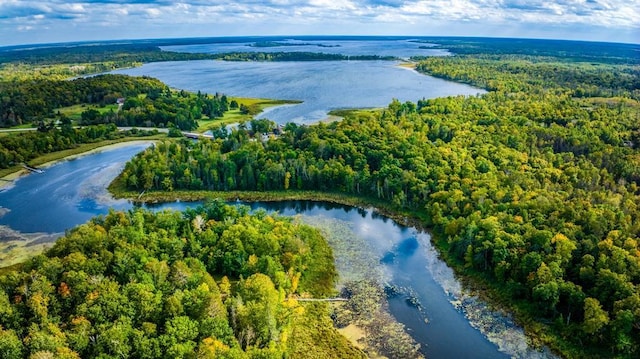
[322,86]
[438,312]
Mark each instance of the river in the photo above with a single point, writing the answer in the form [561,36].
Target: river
[449,322]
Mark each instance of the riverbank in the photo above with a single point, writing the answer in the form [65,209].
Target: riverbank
[118,190]
[482,300]
[16,247]
[8,175]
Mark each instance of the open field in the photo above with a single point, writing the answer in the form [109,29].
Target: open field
[74,112]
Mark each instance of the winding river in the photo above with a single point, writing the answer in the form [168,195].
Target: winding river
[448,321]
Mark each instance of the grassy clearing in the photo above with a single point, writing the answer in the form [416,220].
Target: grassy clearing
[74,112]
[354,112]
[23,126]
[408,65]
[235,116]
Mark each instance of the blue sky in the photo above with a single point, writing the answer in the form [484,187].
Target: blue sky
[43,21]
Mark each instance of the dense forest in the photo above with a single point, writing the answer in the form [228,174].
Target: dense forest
[533,185]
[212,282]
[26,101]
[559,50]
[23,147]
[147,102]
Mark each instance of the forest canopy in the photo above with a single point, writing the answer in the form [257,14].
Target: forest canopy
[143,101]
[533,185]
[212,282]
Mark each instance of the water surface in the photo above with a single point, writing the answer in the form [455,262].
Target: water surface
[321,85]
[71,192]
[401,48]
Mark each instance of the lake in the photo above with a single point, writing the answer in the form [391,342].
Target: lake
[321,85]
[401,48]
[459,325]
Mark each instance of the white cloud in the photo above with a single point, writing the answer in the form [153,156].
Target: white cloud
[153,12]
[164,18]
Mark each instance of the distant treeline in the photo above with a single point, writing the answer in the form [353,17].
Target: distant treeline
[130,53]
[281,43]
[564,50]
[127,55]
[296,56]
[123,55]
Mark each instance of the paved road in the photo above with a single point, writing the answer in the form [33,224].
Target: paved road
[18,129]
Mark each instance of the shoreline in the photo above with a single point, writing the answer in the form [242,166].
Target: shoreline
[8,180]
[476,287]
[108,147]
[17,247]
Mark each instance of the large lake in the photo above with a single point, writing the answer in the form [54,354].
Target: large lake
[321,85]
[401,48]
[459,325]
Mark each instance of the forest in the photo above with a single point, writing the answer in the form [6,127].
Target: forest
[147,102]
[532,187]
[64,62]
[27,101]
[297,56]
[212,282]
[23,147]
[566,51]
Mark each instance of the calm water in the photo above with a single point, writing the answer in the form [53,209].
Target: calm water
[398,48]
[71,192]
[322,85]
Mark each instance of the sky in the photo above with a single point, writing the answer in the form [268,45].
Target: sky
[46,21]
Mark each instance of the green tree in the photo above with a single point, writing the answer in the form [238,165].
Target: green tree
[595,318]
[10,345]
